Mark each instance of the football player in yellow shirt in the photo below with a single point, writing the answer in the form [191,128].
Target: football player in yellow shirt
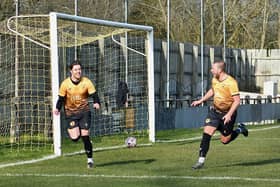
[222,114]
[73,94]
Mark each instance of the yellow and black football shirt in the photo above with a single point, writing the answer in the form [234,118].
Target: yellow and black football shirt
[76,95]
[223,92]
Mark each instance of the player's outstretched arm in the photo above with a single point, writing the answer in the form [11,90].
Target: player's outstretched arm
[207,96]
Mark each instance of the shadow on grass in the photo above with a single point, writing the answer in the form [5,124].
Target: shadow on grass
[256,163]
[147,161]
[188,141]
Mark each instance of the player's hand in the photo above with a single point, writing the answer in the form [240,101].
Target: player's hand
[96,106]
[226,118]
[56,112]
[196,103]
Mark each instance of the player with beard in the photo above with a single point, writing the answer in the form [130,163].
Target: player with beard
[222,113]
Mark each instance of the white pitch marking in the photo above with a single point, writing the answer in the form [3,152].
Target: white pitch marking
[159,141]
[67,154]
[141,177]
[28,161]
[106,148]
[199,137]
[267,128]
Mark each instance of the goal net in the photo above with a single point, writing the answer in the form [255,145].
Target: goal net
[35,54]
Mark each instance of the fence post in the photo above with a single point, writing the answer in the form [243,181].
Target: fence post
[163,72]
[180,72]
[244,72]
[194,71]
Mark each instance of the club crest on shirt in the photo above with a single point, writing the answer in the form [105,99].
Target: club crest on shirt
[72,123]
[207,120]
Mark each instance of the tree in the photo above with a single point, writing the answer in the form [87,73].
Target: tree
[248,24]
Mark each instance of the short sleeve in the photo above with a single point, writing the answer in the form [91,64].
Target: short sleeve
[234,90]
[62,89]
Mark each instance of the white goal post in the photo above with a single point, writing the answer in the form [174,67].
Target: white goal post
[111,53]
[55,72]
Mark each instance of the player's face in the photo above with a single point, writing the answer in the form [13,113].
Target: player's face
[215,70]
[76,72]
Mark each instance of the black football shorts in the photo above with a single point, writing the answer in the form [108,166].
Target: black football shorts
[82,120]
[215,119]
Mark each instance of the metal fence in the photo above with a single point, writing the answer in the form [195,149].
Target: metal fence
[180,115]
[250,67]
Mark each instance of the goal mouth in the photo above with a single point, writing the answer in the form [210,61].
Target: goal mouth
[111,53]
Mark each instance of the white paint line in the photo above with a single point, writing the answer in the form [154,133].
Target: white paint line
[68,154]
[263,129]
[28,161]
[111,148]
[199,137]
[141,177]
[106,148]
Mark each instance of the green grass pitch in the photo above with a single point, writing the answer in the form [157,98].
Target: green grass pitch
[252,161]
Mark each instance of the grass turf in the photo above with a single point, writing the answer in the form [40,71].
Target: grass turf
[252,161]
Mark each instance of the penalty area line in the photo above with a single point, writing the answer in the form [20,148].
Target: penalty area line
[28,161]
[106,149]
[67,154]
[140,177]
[115,147]
[199,137]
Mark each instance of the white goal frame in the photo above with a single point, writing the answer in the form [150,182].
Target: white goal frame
[54,16]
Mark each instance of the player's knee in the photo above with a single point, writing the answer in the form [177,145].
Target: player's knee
[209,130]
[75,139]
[225,140]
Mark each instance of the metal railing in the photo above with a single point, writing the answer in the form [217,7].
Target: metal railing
[183,103]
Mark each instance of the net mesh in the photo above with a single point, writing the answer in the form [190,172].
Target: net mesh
[114,59]
[25,94]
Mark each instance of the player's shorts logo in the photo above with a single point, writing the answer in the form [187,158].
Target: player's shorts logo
[72,123]
[207,120]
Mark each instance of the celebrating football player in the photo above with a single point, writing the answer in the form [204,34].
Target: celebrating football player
[73,95]
[222,114]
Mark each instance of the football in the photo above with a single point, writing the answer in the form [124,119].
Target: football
[130,142]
